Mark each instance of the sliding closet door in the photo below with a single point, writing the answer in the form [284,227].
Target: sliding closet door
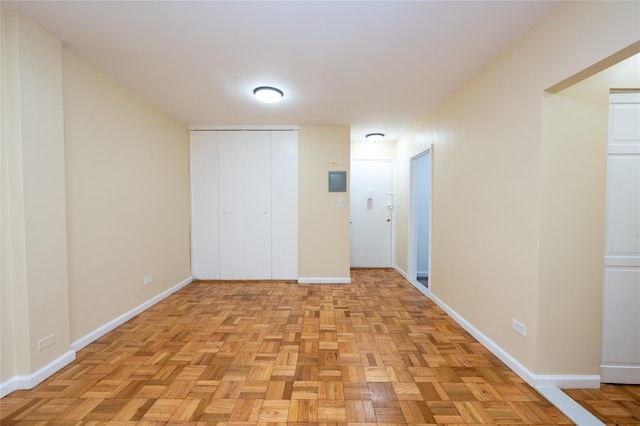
[244,188]
[204,205]
[245,205]
[284,202]
[231,174]
[257,194]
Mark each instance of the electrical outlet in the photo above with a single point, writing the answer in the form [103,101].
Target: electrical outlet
[148,279]
[518,327]
[46,342]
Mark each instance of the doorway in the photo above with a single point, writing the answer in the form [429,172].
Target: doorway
[371,210]
[420,220]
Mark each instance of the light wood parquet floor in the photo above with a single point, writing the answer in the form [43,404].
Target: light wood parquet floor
[374,352]
[612,404]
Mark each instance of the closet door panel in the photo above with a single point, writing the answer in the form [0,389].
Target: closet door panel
[284,218]
[257,205]
[231,153]
[204,205]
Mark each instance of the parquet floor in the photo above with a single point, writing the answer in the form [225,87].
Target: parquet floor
[375,352]
[613,405]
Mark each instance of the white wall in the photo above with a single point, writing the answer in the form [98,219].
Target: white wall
[366,150]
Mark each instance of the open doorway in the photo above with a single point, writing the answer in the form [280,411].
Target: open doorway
[420,220]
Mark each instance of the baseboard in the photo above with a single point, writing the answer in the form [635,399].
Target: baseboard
[620,374]
[421,288]
[578,414]
[312,280]
[113,324]
[571,381]
[401,272]
[32,380]
[535,380]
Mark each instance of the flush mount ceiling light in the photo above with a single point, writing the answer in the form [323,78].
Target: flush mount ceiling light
[375,137]
[268,94]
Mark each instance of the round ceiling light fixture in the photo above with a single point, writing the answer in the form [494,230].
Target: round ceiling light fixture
[268,94]
[375,137]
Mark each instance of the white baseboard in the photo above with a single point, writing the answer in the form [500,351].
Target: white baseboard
[28,382]
[535,380]
[547,385]
[401,272]
[312,280]
[421,288]
[111,325]
[577,381]
[32,380]
[620,374]
[503,355]
[569,407]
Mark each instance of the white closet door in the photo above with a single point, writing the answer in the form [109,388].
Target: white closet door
[257,193]
[231,156]
[245,205]
[284,202]
[204,205]
[620,361]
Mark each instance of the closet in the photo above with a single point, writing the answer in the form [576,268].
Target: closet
[244,203]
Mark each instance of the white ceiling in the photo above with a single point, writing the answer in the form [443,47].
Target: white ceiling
[373,65]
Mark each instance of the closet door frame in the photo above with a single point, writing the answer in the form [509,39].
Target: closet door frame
[245,187]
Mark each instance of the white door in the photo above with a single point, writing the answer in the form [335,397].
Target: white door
[205,252]
[284,205]
[257,205]
[371,208]
[245,205]
[621,298]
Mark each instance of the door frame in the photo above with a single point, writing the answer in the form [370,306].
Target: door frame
[412,252]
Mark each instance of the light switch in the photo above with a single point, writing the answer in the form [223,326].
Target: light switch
[339,203]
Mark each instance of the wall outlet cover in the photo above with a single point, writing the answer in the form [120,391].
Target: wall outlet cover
[519,328]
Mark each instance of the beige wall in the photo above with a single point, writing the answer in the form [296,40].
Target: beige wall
[34,245]
[574,159]
[127,197]
[95,196]
[488,182]
[323,228]
[14,332]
